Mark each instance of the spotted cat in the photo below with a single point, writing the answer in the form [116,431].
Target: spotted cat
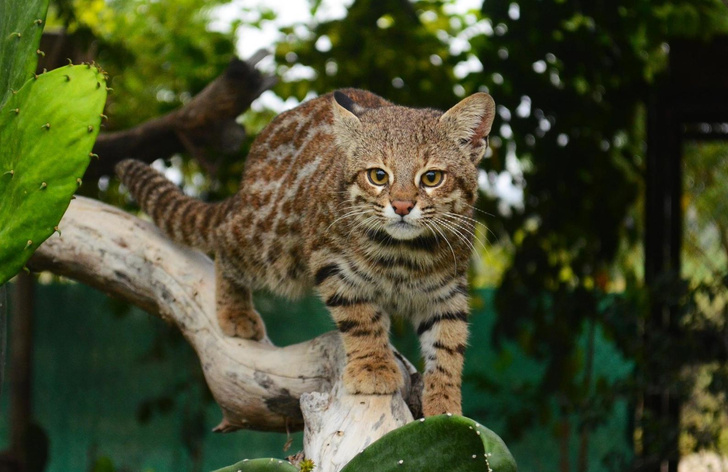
[369,203]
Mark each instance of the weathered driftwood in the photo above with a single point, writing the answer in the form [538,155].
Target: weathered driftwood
[257,385]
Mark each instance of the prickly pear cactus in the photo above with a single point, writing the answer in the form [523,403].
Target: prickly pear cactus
[438,443]
[47,129]
[21,24]
[260,465]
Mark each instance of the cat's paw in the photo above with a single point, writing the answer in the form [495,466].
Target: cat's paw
[373,377]
[441,402]
[246,325]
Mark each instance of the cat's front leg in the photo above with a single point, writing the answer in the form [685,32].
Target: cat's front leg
[370,365]
[443,337]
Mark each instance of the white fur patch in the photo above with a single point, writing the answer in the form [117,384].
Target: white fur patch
[408,227]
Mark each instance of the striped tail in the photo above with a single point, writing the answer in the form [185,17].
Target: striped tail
[184,219]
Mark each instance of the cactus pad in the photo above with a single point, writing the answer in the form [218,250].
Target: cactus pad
[47,130]
[260,465]
[439,443]
[21,24]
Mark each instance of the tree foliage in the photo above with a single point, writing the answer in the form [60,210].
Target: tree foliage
[157,54]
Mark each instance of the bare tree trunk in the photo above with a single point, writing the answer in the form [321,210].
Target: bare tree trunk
[258,386]
[21,357]
[21,367]
[564,434]
[584,429]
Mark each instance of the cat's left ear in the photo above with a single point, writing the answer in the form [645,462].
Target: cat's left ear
[469,123]
[346,119]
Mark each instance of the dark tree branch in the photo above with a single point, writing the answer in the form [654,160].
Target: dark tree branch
[205,125]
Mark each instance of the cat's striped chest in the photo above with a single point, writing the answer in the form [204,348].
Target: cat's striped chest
[405,278]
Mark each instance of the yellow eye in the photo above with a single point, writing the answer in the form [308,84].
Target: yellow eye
[432,178]
[378,176]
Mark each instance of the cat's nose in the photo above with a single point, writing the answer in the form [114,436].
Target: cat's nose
[402,207]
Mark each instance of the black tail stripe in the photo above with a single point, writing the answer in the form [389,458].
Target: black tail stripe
[129,171]
[139,183]
[161,207]
[325,272]
[183,225]
[450,316]
[171,210]
[147,183]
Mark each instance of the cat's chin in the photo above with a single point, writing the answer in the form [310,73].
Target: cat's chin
[402,230]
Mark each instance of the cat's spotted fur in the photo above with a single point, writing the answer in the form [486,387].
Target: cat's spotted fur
[335,196]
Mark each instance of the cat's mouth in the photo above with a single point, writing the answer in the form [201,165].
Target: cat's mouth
[403,230]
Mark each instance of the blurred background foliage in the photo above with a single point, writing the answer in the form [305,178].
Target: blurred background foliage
[563,182]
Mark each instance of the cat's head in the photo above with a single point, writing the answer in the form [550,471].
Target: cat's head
[412,172]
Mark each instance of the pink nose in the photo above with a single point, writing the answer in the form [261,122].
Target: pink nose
[402,207]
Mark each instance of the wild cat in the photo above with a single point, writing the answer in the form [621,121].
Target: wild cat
[369,203]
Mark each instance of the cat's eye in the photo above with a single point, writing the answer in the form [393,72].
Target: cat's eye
[432,178]
[378,177]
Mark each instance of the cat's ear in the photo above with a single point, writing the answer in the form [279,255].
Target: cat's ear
[346,110]
[469,123]
[342,100]
[346,119]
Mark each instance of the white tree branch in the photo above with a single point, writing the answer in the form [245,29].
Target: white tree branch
[258,386]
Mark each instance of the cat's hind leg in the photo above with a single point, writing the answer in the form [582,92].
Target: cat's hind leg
[235,311]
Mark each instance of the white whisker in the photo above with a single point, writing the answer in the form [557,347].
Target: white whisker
[456,231]
[466,226]
[355,212]
[454,258]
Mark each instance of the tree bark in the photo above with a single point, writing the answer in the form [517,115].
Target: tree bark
[258,386]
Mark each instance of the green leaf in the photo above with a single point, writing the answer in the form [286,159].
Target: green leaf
[438,443]
[21,25]
[47,130]
[265,465]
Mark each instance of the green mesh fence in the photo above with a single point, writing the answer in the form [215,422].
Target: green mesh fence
[117,389]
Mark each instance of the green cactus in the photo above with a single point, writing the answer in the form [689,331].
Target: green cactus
[439,443]
[260,465]
[445,442]
[47,129]
[21,24]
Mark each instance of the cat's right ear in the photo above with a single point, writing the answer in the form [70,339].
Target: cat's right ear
[469,123]
[346,119]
